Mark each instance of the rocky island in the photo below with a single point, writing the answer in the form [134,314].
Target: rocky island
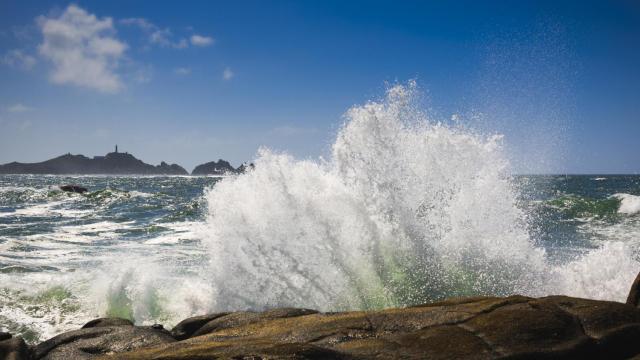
[114,163]
[220,167]
[514,327]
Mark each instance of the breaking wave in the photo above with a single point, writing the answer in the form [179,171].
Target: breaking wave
[405,211]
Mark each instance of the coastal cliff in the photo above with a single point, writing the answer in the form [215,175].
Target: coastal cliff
[514,327]
[114,163]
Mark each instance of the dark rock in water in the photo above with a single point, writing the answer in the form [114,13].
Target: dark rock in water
[14,348]
[221,167]
[634,294]
[474,328]
[5,336]
[102,322]
[73,188]
[98,341]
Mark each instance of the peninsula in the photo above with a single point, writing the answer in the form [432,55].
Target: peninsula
[114,163]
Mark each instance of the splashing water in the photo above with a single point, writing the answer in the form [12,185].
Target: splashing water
[406,211]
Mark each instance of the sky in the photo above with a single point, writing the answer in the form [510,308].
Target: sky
[190,82]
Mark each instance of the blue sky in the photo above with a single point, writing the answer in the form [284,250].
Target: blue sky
[194,81]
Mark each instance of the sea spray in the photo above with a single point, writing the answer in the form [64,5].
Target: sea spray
[406,211]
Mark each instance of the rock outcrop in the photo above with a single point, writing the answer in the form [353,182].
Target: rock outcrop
[13,348]
[95,341]
[114,163]
[473,328]
[514,327]
[634,294]
[73,188]
[220,167]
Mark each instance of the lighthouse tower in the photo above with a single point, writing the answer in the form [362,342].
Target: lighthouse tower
[116,148]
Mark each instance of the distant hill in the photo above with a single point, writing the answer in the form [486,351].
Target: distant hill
[114,163]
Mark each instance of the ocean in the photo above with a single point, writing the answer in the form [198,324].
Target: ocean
[404,211]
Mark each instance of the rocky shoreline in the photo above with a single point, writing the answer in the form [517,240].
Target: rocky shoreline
[514,327]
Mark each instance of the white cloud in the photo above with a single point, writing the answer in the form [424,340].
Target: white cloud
[182,71]
[199,40]
[227,74]
[18,59]
[142,23]
[83,49]
[163,37]
[18,108]
[156,35]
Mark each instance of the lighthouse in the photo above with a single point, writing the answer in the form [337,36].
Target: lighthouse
[116,148]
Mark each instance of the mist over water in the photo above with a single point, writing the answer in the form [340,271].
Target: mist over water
[405,210]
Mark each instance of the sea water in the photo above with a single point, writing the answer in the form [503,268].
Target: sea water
[405,210]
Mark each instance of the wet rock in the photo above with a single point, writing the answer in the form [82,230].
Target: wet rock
[102,322]
[474,328]
[242,318]
[73,188]
[14,348]
[186,328]
[634,294]
[94,341]
[4,336]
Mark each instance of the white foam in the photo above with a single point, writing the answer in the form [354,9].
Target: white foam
[629,204]
[605,273]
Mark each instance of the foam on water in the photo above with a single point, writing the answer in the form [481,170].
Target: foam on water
[407,210]
[629,204]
